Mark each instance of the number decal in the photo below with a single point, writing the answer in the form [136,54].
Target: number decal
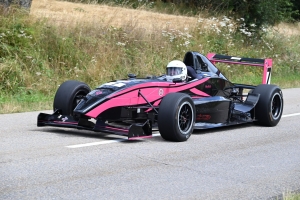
[160,92]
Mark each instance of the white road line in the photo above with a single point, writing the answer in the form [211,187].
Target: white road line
[291,115]
[121,140]
[94,143]
[103,142]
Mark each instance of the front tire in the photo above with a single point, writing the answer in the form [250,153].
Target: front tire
[68,95]
[176,117]
[269,107]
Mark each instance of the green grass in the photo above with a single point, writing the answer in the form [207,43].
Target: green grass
[25,101]
[291,196]
[37,56]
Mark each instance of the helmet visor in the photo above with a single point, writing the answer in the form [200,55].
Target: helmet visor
[172,71]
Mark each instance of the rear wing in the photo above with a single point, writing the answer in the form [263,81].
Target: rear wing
[265,63]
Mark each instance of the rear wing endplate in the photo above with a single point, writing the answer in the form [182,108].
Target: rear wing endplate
[265,63]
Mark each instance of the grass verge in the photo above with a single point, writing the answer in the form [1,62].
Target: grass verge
[37,54]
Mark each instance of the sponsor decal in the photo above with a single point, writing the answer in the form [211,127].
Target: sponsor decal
[64,119]
[207,86]
[236,58]
[201,117]
[115,84]
[98,92]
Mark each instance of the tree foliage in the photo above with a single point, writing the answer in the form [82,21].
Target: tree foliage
[252,15]
[257,14]
[296,9]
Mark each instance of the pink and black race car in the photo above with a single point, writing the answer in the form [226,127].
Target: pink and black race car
[134,107]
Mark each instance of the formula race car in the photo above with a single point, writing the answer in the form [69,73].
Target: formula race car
[203,99]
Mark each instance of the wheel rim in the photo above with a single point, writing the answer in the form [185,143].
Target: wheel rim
[276,106]
[185,118]
[78,97]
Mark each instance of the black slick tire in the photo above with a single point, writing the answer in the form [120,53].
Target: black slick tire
[176,117]
[68,96]
[269,107]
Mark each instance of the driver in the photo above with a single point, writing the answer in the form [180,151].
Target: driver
[176,69]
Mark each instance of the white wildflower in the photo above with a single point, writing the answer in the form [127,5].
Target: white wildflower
[226,19]
[222,24]
[120,44]
[186,43]
[200,20]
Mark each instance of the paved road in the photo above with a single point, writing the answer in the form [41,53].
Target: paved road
[243,162]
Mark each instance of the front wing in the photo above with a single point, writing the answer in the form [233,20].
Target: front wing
[133,131]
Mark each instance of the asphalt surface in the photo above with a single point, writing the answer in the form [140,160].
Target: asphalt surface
[240,162]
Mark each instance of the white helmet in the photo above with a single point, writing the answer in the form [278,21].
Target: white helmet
[176,69]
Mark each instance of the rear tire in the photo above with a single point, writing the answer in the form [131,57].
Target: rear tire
[176,117]
[269,107]
[69,95]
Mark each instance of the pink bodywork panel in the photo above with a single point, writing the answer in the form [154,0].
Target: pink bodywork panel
[152,91]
